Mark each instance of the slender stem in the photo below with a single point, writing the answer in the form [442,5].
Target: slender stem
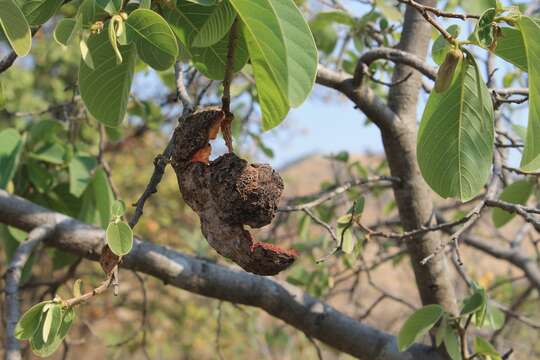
[227,80]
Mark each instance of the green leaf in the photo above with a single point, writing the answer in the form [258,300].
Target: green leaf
[474,302]
[186,21]
[77,288]
[282,38]
[37,12]
[15,27]
[87,12]
[441,45]
[418,324]
[118,208]
[455,139]
[451,343]
[119,238]
[86,56]
[494,317]
[348,242]
[105,89]
[482,346]
[51,323]
[64,31]
[38,175]
[511,48]
[53,153]
[29,322]
[216,26]
[103,196]
[325,35]
[516,193]
[44,349]
[274,106]
[80,168]
[155,41]
[10,149]
[530,161]
[484,31]
[112,32]
[477,6]
[441,331]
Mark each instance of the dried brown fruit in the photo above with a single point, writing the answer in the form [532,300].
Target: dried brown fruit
[228,194]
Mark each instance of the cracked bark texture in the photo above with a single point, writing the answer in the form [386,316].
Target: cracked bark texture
[413,196]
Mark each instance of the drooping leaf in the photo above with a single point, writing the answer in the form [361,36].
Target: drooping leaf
[418,324]
[516,193]
[455,139]
[15,27]
[348,242]
[53,153]
[103,196]
[283,39]
[511,48]
[51,322]
[64,31]
[105,88]
[119,238]
[530,161]
[38,12]
[274,105]
[186,20]
[29,322]
[45,349]
[451,343]
[483,347]
[155,41]
[86,56]
[216,26]
[10,150]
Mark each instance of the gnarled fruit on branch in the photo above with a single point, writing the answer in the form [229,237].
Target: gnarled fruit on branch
[227,194]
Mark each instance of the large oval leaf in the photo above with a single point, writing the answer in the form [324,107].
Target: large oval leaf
[186,20]
[44,349]
[38,12]
[216,26]
[455,139]
[15,26]
[418,324]
[530,161]
[284,40]
[105,89]
[156,44]
[516,193]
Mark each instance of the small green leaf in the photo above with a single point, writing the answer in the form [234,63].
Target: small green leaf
[530,161]
[112,7]
[494,317]
[77,288]
[483,347]
[441,331]
[103,196]
[441,45]
[418,324]
[53,153]
[64,31]
[216,26]
[155,41]
[105,88]
[484,32]
[80,168]
[119,238]
[10,149]
[348,242]
[45,349]
[51,323]
[474,302]
[118,208]
[516,193]
[29,322]
[85,54]
[15,27]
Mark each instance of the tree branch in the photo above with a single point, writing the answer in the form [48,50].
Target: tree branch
[279,299]
[13,278]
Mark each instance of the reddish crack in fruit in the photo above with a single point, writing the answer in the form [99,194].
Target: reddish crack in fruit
[227,194]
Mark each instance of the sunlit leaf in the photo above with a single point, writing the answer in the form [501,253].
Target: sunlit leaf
[119,238]
[15,27]
[418,324]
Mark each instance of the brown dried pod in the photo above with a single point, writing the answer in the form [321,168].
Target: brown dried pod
[228,194]
[447,69]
